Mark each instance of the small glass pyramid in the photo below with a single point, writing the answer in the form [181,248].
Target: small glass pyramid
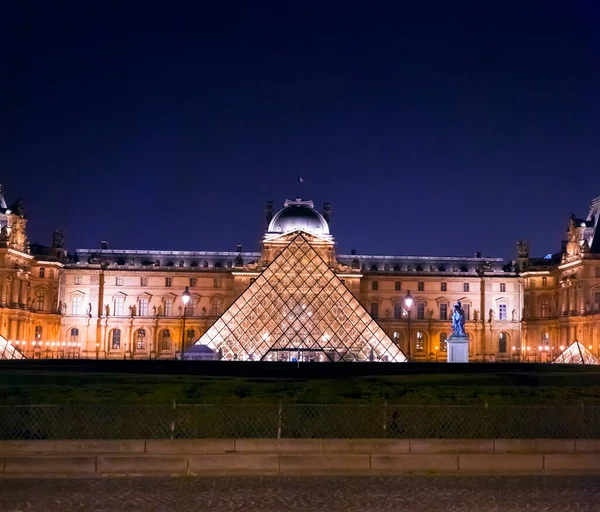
[297,309]
[9,351]
[576,353]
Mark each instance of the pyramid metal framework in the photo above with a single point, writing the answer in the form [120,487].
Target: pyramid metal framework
[576,353]
[9,351]
[297,308]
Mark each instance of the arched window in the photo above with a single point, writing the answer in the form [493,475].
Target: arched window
[165,340]
[141,339]
[502,342]
[116,339]
[190,336]
[420,342]
[545,339]
[443,344]
[74,335]
[38,332]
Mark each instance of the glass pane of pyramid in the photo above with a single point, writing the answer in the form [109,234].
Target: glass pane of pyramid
[576,353]
[9,351]
[304,312]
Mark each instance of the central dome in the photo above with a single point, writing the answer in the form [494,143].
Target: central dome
[297,215]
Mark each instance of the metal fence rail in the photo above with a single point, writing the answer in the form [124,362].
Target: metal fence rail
[180,421]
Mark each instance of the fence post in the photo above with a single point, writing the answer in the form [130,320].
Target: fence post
[279,420]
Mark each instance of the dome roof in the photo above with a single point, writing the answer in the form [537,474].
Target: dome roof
[296,215]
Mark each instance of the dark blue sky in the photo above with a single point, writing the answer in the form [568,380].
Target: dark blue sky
[432,127]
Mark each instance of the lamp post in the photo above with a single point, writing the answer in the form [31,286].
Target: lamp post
[408,302]
[185,297]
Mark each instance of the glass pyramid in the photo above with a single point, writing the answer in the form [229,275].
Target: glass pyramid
[576,353]
[297,309]
[9,351]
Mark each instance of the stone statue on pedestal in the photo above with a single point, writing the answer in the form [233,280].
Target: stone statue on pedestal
[458,320]
[458,342]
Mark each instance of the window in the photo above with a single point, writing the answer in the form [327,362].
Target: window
[420,342]
[119,281]
[76,305]
[42,272]
[545,339]
[465,287]
[420,311]
[502,287]
[597,271]
[443,311]
[502,341]
[51,273]
[544,308]
[398,310]
[74,335]
[544,282]
[40,301]
[217,304]
[597,299]
[398,286]
[443,343]
[192,282]
[141,339]
[375,309]
[217,282]
[168,282]
[143,307]
[190,336]
[375,285]
[190,309]
[38,332]
[143,281]
[165,340]
[77,279]
[168,307]
[443,287]
[420,286]
[116,339]
[467,310]
[502,312]
[119,306]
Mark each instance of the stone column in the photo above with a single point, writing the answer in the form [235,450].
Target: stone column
[16,289]
[23,293]
[13,329]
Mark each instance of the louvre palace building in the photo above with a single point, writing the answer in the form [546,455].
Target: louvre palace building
[295,300]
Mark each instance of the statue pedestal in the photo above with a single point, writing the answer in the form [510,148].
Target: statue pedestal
[458,348]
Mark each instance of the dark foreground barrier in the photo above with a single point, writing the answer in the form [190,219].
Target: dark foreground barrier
[180,421]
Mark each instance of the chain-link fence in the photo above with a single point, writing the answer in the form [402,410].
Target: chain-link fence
[178,421]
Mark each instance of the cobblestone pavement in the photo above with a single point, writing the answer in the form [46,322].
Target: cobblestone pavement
[408,493]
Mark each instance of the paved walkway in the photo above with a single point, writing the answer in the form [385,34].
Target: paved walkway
[330,494]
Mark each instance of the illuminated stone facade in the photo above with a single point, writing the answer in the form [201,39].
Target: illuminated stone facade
[119,304]
[562,291]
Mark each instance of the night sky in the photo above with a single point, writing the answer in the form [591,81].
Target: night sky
[433,127]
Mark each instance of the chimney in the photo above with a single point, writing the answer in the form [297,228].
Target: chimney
[327,212]
[268,214]
[478,255]
[104,244]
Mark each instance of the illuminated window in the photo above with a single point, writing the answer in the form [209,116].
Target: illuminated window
[502,312]
[190,309]
[143,307]
[168,307]
[119,281]
[502,342]
[544,282]
[398,310]
[141,339]
[74,335]
[420,286]
[465,287]
[77,279]
[119,306]
[443,343]
[503,287]
[40,301]
[375,309]
[38,332]
[420,311]
[165,340]
[42,272]
[143,281]
[545,338]
[420,342]
[168,281]
[443,311]
[192,282]
[76,305]
[544,308]
[116,339]
[398,286]
[443,287]
[375,285]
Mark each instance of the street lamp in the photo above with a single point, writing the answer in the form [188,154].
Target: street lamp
[185,297]
[408,302]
